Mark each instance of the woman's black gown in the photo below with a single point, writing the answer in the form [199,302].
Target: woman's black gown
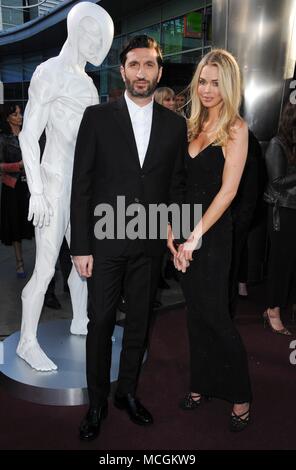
[218,362]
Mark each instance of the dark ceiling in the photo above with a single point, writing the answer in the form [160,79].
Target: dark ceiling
[120,9]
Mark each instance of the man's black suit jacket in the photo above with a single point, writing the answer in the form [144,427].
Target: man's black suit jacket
[106,165]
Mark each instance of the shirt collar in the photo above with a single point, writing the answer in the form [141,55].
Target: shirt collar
[134,108]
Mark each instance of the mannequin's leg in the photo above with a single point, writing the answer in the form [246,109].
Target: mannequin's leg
[78,292]
[48,242]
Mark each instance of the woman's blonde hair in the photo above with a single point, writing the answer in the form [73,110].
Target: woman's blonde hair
[230,89]
[163,93]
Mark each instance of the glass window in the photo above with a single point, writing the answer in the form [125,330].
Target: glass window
[11,16]
[154,31]
[113,55]
[183,33]
[29,69]
[172,36]
[112,86]
[12,69]
[13,91]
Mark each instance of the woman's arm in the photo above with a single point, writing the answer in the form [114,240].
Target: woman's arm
[235,155]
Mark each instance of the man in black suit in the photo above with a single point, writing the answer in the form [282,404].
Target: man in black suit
[133,148]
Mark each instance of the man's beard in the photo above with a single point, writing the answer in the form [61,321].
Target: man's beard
[141,93]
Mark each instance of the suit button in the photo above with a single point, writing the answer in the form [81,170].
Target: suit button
[137,200]
[142,176]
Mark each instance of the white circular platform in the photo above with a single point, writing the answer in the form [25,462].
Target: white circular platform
[66,386]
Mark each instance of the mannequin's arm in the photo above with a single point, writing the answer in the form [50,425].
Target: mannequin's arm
[35,120]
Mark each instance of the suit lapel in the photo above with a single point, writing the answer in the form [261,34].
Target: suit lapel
[123,118]
[155,135]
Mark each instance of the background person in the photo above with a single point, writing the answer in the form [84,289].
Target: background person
[280,195]
[14,226]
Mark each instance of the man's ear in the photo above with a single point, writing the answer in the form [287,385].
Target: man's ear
[122,71]
[159,74]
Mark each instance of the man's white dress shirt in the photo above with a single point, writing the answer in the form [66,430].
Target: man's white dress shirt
[141,118]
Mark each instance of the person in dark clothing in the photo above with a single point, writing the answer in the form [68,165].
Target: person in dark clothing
[242,211]
[216,156]
[14,226]
[133,148]
[280,195]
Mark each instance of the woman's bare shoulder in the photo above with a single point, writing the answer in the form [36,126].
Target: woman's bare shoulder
[239,126]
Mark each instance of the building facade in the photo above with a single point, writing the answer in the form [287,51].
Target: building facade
[182,28]
[14,12]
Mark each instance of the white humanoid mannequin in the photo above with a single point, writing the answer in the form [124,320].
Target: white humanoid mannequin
[59,92]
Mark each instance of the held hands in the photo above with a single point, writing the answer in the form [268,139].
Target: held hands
[40,210]
[84,265]
[181,265]
[183,256]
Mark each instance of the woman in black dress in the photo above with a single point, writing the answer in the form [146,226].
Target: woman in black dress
[218,141]
[280,195]
[14,226]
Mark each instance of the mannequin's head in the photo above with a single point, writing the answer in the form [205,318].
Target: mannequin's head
[90,32]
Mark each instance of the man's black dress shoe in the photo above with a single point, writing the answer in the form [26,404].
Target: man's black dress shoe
[90,426]
[136,411]
[51,301]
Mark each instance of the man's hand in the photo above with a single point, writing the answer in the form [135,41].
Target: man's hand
[84,265]
[39,210]
[170,242]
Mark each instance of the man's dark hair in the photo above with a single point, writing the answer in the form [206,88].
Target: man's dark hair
[141,41]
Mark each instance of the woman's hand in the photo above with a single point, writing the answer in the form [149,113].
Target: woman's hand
[186,249]
[180,263]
